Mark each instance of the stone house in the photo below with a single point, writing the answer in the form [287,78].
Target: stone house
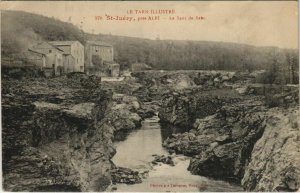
[53,57]
[73,55]
[100,59]
[100,50]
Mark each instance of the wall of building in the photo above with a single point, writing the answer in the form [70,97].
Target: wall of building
[36,59]
[77,51]
[54,59]
[68,63]
[76,62]
[99,60]
[104,52]
[114,70]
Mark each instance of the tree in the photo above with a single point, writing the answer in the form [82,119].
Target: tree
[274,72]
[291,63]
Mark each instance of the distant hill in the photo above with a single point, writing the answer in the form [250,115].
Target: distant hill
[200,55]
[21,29]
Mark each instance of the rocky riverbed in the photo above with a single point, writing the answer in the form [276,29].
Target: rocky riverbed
[60,134]
[158,170]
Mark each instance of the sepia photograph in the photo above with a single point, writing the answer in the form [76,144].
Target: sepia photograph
[151,96]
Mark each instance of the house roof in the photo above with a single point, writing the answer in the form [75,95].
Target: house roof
[98,43]
[35,51]
[38,46]
[63,43]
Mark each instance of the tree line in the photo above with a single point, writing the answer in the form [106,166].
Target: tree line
[20,29]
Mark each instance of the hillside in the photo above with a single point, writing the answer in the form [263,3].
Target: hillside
[21,29]
[200,55]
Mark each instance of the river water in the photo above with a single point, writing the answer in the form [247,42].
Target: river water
[137,151]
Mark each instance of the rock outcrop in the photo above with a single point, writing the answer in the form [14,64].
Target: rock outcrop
[275,159]
[123,115]
[64,143]
[182,108]
[180,80]
[242,139]
[221,144]
[58,133]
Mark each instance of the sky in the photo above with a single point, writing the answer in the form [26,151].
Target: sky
[259,23]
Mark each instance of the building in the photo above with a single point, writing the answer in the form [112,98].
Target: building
[136,67]
[69,64]
[53,57]
[73,55]
[96,49]
[36,58]
[114,69]
[100,59]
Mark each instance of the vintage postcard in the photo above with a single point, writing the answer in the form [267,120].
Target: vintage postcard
[169,96]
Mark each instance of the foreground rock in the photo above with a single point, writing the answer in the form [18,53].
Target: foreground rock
[56,137]
[275,159]
[65,143]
